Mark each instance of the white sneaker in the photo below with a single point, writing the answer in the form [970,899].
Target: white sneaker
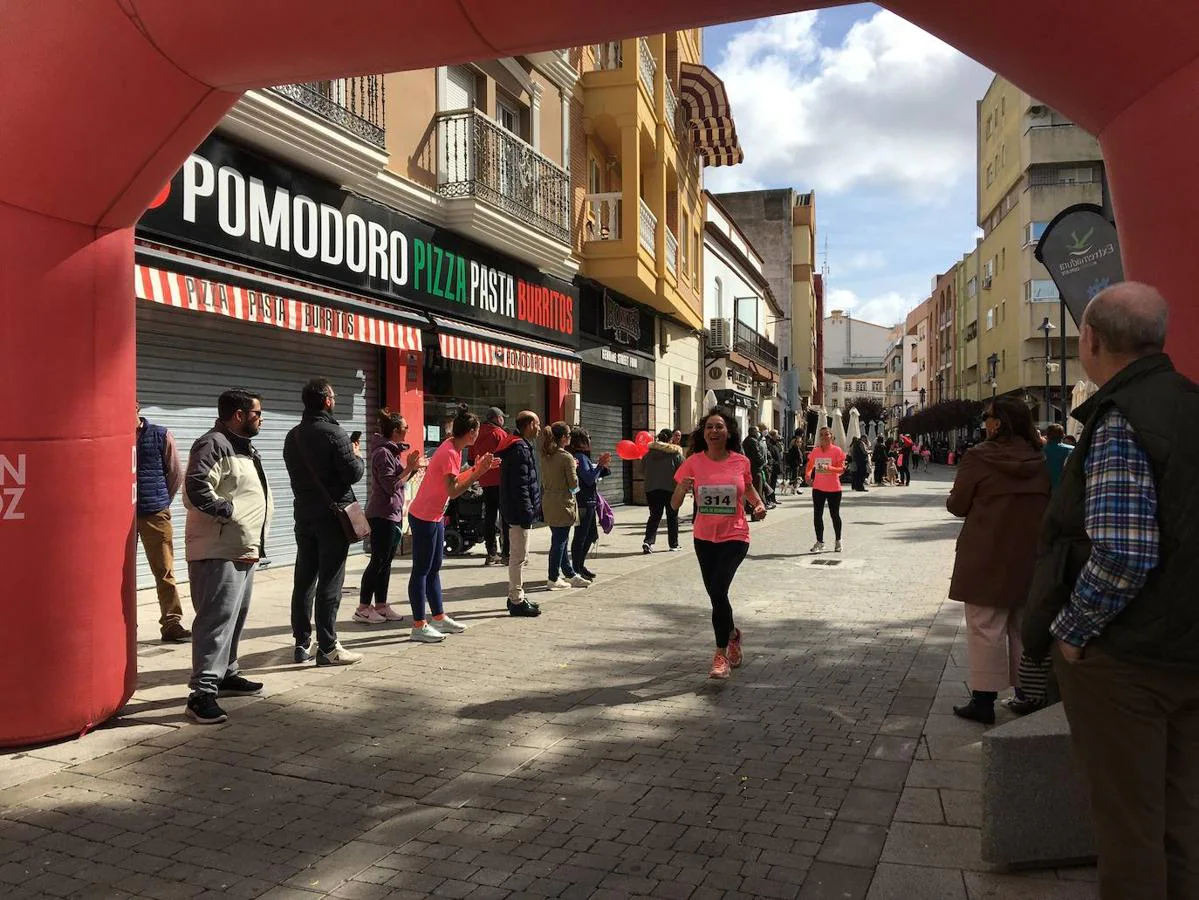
[389,614]
[817,547]
[339,657]
[580,582]
[837,548]
[448,626]
[560,585]
[426,634]
[368,615]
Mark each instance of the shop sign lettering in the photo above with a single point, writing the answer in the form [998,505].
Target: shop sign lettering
[236,203]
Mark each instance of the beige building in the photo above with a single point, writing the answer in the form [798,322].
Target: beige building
[1032,163]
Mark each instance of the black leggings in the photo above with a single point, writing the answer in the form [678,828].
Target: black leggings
[834,511]
[718,562]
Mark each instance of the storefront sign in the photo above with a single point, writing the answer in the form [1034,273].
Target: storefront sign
[610,318]
[12,487]
[230,200]
[616,360]
[204,295]
[621,359]
[1082,253]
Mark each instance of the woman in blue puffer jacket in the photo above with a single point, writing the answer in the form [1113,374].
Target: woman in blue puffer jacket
[590,473]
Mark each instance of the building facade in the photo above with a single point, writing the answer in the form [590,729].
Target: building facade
[1032,163]
[781,225]
[741,356]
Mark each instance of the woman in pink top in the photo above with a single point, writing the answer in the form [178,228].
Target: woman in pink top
[826,463]
[444,480]
[719,475]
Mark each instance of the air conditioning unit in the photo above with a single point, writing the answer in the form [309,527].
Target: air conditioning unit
[720,336]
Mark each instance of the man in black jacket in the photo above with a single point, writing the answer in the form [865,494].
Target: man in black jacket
[323,466]
[520,502]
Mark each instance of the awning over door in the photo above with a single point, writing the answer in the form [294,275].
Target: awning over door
[208,285]
[473,344]
[709,116]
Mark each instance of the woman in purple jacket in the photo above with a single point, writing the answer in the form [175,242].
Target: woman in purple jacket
[385,512]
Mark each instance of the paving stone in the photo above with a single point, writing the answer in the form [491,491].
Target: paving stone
[829,881]
[853,844]
[962,808]
[938,846]
[896,882]
[882,774]
[992,886]
[940,773]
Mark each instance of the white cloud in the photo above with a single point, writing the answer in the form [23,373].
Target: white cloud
[889,308]
[891,107]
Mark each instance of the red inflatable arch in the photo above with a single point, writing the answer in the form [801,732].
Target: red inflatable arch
[103,100]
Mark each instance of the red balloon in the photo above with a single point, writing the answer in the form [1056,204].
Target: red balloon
[628,451]
[643,439]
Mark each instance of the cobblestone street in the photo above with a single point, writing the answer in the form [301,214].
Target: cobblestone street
[581,754]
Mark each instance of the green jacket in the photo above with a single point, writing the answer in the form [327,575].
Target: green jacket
[1160,626]
[1056,454]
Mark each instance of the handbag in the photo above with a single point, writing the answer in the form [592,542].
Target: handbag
[351,517]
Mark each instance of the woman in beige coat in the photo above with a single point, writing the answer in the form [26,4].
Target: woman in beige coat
[559,482]
[1001,490]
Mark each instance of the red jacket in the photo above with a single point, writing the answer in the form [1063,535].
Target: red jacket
[489,441]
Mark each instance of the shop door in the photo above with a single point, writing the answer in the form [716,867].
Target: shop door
[606,412]
[185,360]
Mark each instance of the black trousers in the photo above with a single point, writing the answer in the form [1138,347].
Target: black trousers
[905,474]
[880,470]
[718,564]
[659,502]
[491,514]
[376,578]
[833,499]
[321,550]
[586,534]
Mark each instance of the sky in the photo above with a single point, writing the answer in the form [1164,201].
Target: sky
[877,117]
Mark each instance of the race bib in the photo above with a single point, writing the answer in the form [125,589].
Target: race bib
[717,499]
[823,464]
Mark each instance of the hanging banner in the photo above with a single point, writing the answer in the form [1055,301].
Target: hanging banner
[1082,253]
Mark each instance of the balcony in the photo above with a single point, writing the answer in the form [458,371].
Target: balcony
[478,158]
[356,104]
[754,346]
[648,225]
[646,64]
[603,216]
[608,57]
[672,254]
[673,121]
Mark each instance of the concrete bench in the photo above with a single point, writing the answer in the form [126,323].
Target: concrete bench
[1035,810]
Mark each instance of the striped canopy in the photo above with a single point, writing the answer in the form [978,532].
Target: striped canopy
[709,117]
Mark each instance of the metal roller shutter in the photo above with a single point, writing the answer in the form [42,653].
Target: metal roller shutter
[185,359]
[606,413]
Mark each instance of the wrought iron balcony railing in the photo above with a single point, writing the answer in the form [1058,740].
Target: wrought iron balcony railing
[755,346]
[356,104]
[479,158]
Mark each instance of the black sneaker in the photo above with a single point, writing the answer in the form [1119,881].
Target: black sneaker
[586,573]
[305,652]
[523,609]
[236,686]
[203,709]
[646,548]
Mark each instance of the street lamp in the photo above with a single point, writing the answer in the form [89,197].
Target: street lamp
[1047,326]
[940,389]
[992,368]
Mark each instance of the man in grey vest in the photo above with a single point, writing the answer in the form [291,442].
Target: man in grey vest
[159,476]
[1115,596]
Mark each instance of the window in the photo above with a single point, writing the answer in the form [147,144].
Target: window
[990,176]
[876,386]
[507,116]
[1003,259]
[718,291]
[861,386]
[971,331]
[1004,359]
[1076,176]
[694,256]
[1041,290]
[595,180]
[684,253]
[1033,232]
[972,286]
[1003,311]
[913,352]
[1003,156]
[834,387]
[990,318]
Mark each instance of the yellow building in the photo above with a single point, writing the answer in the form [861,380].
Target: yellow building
[1032,163]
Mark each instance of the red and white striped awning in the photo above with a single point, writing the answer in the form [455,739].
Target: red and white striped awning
[270,308]
[709,116]
[487,353]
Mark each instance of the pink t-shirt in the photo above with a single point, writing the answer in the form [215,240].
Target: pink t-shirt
[429,503]
[719,492]
[819,460]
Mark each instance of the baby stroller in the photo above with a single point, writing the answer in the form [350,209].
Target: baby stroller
[464,521]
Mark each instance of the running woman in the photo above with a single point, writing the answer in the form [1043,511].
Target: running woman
[444,480]
[827,462]
[719,476]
